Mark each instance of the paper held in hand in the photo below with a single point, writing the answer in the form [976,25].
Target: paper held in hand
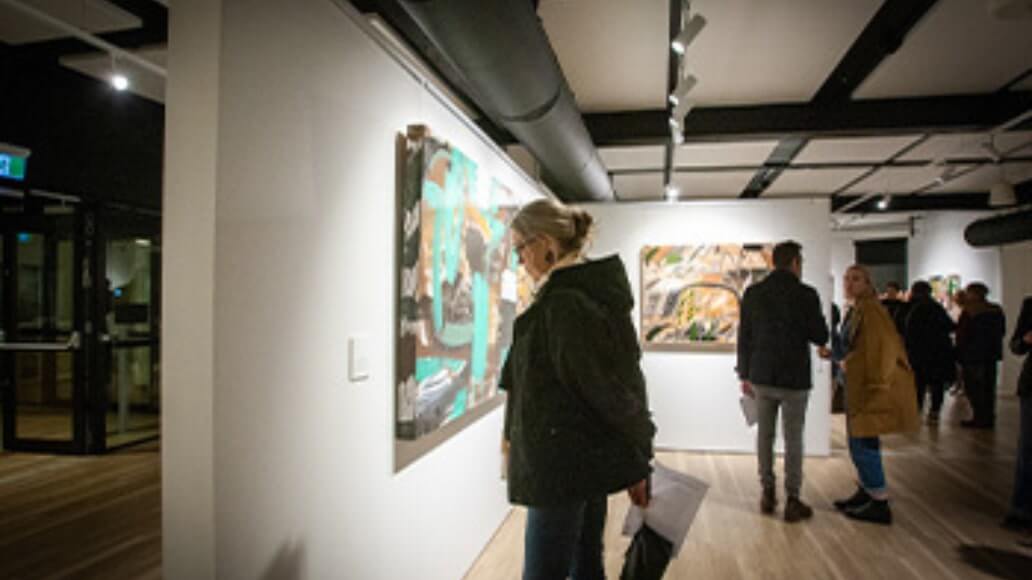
[748,409]
[676,498]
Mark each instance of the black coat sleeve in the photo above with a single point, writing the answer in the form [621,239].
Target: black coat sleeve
[587,350]
[1017,343]
[745,336]
[816,324]
[505,384]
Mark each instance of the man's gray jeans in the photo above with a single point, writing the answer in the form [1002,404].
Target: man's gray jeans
[793,418]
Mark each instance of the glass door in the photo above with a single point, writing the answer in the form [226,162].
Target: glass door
[41,348]
[130,323]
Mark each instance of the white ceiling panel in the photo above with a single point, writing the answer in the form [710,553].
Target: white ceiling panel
[613,52]
[646,157]
[812,181]
[91,15]
[853,149]
[966,146]
[758,51]
[694,184]
[957,48]
[900,179]
[141,82]
[723,154]
[984,177]
[639,186]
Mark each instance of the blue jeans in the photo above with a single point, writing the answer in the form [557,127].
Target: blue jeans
[1021,501]
[866,454]
[565,540]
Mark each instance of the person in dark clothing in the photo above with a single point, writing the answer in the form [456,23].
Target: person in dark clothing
[577,423]
[929,347]
[1019,517]
[780,318]
[893,301]
[979,348]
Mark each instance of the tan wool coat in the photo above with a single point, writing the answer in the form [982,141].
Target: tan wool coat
[880,393]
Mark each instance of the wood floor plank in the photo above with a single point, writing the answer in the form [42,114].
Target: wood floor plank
[949,486]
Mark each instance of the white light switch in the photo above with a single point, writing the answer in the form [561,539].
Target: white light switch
[358,358]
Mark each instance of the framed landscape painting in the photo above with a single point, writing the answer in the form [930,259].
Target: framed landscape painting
[691,295]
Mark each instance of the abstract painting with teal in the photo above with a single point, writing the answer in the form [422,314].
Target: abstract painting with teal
[455,314]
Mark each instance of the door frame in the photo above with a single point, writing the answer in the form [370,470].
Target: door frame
[48,225]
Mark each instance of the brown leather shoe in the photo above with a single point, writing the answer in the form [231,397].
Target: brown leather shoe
[796,510]
[769,501]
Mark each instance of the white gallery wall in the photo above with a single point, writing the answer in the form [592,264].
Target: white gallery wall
[694,395]
[280,211]
[938,247]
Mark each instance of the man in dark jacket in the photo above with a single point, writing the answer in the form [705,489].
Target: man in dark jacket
[926,334]
[1020,515]
[979,348]
[780,317]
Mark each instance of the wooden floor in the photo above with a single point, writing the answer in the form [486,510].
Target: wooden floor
[81,517]
[99,517]
[949,486]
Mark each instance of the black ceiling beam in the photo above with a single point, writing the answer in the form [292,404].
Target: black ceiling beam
[870,117]
[911,203]
[409,32]
[958,162]
[882,36]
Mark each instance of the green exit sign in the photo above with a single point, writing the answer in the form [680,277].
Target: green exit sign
[13,166]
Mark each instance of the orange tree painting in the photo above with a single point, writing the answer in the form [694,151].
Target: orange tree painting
[691,295]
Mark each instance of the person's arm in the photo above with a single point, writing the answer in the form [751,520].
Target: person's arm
[505,384]
[586,359]
[1020,342]
[745,329]
[817,325]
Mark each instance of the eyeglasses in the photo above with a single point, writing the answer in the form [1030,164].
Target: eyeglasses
[522,245]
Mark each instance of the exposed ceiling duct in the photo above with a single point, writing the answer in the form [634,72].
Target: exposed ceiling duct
[999,230]
[508,64]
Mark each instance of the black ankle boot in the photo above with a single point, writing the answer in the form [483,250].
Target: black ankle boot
[875,511]
[859,498]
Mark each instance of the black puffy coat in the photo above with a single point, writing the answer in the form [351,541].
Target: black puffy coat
[1021,348]
[927,336]
[577,417]
[780,318]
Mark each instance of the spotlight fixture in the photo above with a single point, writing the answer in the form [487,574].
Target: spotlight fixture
[672,192]
[679,112]
[119,81]
[688,33]
[883,203]
[685,84]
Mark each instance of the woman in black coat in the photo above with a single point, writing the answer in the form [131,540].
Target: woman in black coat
[577,424]
[926,330]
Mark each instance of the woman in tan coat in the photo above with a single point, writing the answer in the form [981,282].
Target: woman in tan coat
[880,394]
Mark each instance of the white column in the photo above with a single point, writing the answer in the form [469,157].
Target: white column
[188,262]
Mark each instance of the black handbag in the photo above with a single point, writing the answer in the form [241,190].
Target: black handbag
[647,557]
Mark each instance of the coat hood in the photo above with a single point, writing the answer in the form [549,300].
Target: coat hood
[604,280]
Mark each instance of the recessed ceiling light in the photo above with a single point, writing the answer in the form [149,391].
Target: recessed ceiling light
[883,203]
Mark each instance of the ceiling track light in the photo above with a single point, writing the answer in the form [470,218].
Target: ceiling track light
[883,203]
[684,85]
[688,33]
[672,192]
